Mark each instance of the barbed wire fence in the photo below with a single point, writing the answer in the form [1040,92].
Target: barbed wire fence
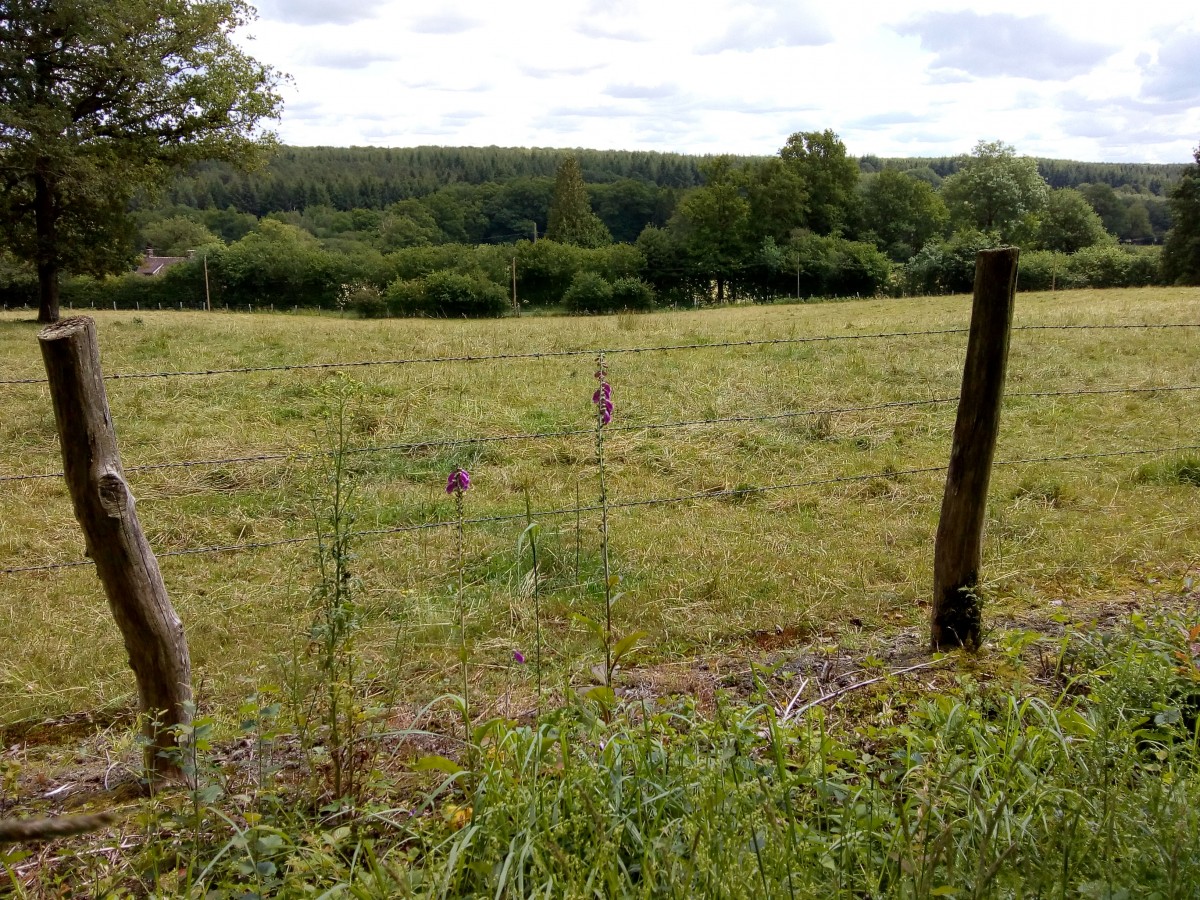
[636,427]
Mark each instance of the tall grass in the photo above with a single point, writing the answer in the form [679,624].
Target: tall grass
[1066,773]
[702,577]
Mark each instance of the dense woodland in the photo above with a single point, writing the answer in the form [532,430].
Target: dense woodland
[438,230]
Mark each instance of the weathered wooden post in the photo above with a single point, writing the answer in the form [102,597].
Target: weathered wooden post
[956,620]
[126,565]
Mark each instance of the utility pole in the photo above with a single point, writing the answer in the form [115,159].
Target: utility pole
[535,232]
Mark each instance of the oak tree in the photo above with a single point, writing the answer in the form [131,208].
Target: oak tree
[100,99]
[995,190]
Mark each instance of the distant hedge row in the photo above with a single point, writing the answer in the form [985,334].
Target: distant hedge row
[455,280]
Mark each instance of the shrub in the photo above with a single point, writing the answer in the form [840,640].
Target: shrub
[947,267]
[1105,267]
[364,299]
[632,293]
[447,294]
[1045,270]
[589,293]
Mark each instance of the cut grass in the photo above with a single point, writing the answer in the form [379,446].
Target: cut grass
[702,574]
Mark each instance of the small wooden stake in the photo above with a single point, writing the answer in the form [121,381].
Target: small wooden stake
[125,564]
[956,620]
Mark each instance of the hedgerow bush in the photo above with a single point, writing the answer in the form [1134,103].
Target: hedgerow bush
[632,293]
[446,294]
[589,293]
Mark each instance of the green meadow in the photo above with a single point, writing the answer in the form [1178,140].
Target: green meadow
[753,551]
[429,725]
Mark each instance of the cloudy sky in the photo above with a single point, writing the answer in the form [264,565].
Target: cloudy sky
[1092,80]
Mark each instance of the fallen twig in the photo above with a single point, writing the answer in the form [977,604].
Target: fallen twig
[833,695]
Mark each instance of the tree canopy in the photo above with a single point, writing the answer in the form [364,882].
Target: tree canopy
[101,99]
[995,190]
[1181,255]
[571,220]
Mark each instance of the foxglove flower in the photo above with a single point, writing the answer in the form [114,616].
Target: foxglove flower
[603,396]
[458,482]
[519,657]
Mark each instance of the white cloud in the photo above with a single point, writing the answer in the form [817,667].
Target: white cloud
[768,24]
[1075,79]
[320,12]
[1003,44]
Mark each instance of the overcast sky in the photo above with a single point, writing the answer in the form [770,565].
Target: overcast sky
[1092,80]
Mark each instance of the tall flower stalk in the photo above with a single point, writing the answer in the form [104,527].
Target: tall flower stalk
[530,534]
[458,484]
[602,399]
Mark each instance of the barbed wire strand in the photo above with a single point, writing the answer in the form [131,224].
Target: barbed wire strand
[575,432]
[551,354]
[626,504]
[494,357]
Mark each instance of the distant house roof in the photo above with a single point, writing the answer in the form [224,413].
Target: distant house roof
[156,265]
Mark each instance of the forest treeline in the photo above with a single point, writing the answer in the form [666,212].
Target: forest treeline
[444,231]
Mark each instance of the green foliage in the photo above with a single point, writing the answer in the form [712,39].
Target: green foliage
[632,293]
[946,267]
[18,281]
[902,213]
[177,236]
[98,100]
[778,197]
[1045,270]
[667,268]
[1108,266]
[628,205]
[545,270]
[1181,255]
[995,190]
[713,225]
[829,176]
[1068,223]
[364,299]
[446,294]
[589,292]
[274,261]
[571,220]
[834,267]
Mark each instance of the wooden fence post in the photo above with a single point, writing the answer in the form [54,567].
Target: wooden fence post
[125,564]
[956,620]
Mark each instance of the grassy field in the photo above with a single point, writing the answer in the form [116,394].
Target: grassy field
[706,578]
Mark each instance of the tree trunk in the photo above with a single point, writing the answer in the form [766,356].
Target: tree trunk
[126,565]
[47,249]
